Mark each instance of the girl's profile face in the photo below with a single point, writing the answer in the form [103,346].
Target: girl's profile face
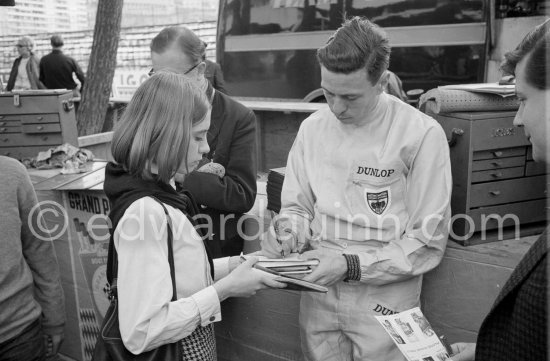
[198,146]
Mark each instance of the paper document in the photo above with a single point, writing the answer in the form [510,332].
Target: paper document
[414,336]
[490,88]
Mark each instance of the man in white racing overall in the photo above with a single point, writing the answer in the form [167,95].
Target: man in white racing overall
[369,181]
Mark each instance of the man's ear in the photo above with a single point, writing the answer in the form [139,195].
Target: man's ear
[383,82]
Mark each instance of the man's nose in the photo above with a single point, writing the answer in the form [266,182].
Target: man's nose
[518,119]
[339,106]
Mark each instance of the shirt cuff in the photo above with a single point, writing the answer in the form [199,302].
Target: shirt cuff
[209,305]
[221,268]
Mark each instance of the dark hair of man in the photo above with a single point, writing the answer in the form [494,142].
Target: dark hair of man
[357,44]
[535,46]
[56,41]
[189,43]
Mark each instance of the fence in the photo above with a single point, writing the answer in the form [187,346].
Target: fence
[133,48]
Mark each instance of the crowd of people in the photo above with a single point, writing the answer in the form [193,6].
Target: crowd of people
[184,151]
[54,71]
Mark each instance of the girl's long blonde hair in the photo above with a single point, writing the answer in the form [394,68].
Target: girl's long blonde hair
[156,126]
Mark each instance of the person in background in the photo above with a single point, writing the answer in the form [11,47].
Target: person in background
[163,131]
[516,327]
[213,73]
[57,69]
[32,311]
[225,182]
[25,71]
[368,187]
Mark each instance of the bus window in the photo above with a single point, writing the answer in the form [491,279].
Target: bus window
[418,12]
[267,48]
[245,17]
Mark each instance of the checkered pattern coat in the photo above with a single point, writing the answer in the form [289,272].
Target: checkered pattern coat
[516,327]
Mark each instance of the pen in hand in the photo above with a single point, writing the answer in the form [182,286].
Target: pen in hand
[277,228]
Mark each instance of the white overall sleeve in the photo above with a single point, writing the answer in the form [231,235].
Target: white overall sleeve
[148,318]
[297,197]
[428,196]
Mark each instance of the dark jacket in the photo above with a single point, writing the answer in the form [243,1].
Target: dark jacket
[516,327]
[214,75]
[32,72]
[56,71]
[232,141]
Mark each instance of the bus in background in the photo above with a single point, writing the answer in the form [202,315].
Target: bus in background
[267,48]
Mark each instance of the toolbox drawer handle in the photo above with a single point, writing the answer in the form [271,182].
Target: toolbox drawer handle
[5,139]
[45,138]
[497,174]
[497,154]
[1,117]
[4,129]
[496,164]
[39,127]
[39,118]
[495,193]
[3,123]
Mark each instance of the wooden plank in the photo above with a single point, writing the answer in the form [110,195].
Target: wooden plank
[296,107]
[21,139]
[94,139]
[61,179]
[457,295]
[87,181]
[266,322]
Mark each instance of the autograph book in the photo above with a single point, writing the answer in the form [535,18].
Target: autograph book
[289,270]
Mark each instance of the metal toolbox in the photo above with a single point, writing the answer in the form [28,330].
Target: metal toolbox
[34,121]
[496,183]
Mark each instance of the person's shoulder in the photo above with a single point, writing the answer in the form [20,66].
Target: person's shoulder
[229,105]
[409,116]
[318,118]
[13,173]
[145,204]
[11,165]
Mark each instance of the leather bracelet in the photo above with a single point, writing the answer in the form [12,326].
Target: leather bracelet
[354,267]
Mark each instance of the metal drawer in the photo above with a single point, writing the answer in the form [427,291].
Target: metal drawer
[11,129]
[497,174]
[10,122]
[535,168]
[42,128]
[498,163]
[18,140]
[30,118]
[504,215]
[499,153]
[8,118]
[39,118]
[497,133]
[507,191]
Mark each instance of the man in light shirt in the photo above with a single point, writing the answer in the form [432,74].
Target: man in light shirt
[369,180]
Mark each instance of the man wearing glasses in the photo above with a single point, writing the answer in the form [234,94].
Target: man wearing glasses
[226,184]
